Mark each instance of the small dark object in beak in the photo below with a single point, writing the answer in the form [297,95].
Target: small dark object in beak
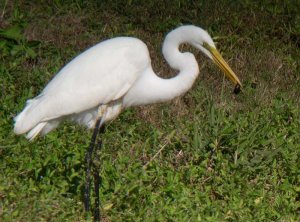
[237,89]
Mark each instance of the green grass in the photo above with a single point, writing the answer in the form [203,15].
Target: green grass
[223,157]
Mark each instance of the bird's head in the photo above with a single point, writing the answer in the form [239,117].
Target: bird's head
[201,40]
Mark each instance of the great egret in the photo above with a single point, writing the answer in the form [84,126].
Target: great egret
[112,75]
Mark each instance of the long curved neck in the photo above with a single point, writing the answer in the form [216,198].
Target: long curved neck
[170,49]
[151,88]
[185,63]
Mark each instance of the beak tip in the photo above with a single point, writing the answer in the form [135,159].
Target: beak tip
[237,89]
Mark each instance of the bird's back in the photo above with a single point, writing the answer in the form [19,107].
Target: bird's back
[99,75]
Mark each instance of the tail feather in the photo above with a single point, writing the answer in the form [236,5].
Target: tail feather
[35,131]
[28,118]
[51,125]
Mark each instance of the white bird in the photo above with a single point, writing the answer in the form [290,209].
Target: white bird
[113,75]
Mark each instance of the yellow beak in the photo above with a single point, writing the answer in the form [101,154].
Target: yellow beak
[218,59]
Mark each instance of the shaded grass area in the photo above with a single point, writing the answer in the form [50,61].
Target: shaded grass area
[223,157]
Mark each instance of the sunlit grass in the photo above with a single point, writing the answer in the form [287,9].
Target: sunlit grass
[207,156]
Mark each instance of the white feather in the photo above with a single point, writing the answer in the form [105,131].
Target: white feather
[110,76]
[98,76]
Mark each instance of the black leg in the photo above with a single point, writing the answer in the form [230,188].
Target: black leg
[97,178]
[97,197]
[88,159]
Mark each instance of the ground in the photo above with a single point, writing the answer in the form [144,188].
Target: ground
[209,155]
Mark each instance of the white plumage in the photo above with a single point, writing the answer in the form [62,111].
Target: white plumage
[113,75]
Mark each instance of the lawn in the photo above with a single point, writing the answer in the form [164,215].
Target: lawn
[209,155]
